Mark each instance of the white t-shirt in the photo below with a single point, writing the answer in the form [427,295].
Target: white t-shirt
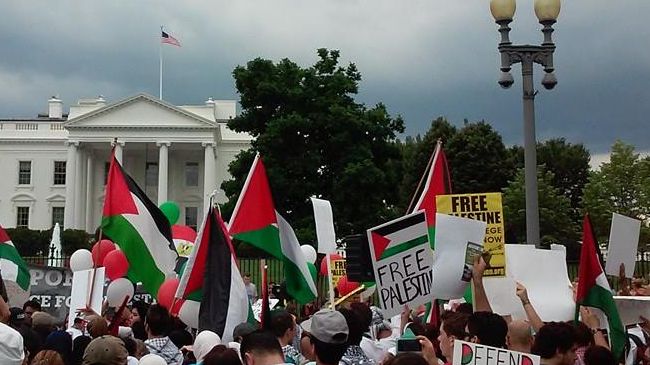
[11,346]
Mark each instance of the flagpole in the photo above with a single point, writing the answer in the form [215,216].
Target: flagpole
[161,66]
[329,279]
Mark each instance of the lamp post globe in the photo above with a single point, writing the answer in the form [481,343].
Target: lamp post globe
[503,9]
[547,10]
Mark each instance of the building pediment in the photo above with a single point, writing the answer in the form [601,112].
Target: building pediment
[140,111]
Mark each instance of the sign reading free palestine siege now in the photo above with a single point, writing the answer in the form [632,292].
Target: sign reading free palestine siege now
[403,262]
[467,353]
[484,207]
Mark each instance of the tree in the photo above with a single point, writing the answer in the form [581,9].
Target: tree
[416,153]
[478,159]
[316,140]
[556,225]
[569,164]
[620,186]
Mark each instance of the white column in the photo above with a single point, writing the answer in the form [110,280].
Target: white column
[163,170]
[118,151]
[70,172]
[80,191]
[209,172]
[90,194]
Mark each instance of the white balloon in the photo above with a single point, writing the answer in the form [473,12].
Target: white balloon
[309,252]
[189,313]
[118,290]
[80,260]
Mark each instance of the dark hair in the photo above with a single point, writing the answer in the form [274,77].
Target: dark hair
[362,310]
[490,328]
[355,326]
[453,323]
[328,353]
[32,303]
[598,355]
[139,331]
[142,307]
[281,321]
[417,328]
[260,342]
[465,308]
[78,320]
[130,345]
[407,358]
[79,345]
[158,320]
[583,334]
[553,337]
[221,355]
[61,342]
[181,338]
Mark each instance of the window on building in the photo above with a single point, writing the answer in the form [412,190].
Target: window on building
[107,167]
[25,172]
[22,217]
[59,172]
[151,174]
[57,215]
[191,174]
[191,217]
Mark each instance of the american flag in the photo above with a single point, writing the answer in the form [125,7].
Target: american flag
[166,38]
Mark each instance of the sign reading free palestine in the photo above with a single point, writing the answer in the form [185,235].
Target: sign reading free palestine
[403,263]
[467,353]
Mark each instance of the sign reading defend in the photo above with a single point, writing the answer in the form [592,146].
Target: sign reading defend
[403,263]
[484,207]
[467,353]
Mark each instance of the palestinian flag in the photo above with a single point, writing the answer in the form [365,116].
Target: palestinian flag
[594,290]
[300,283]
[213,266]
[253,220]
[398,236]
[438,183]
[139,228]
[12,266]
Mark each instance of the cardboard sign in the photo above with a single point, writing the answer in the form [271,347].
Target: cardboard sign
[631,308]
[83,283]
[337,271]
[485,207]
[467,353]
[453,234]
[403,263]
[257,307]
[623,244]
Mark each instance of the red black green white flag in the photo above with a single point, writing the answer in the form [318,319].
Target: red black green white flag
[12,265]
[594,290]
[139,228]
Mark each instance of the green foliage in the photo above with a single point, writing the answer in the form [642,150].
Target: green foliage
[620,186]
[30,242]
[74,239]
[478,160]
[316,140]
[556,225]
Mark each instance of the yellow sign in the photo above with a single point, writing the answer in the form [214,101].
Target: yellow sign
[484,207]
[338,271]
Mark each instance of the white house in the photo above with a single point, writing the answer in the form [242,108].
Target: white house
[54,166]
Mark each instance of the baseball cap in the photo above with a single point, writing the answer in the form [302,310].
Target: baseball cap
[244,329]
[42,319]
[17,315]
[105,350]
[327,326]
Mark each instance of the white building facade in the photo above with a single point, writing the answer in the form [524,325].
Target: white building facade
[54,167]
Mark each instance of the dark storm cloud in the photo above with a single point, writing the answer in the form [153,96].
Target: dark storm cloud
[421,58]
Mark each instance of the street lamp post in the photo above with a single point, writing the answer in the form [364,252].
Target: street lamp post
[547,12]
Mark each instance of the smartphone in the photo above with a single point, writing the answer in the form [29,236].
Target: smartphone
[472,251]
[408,345]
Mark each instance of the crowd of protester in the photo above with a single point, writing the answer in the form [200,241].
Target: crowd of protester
[355,333]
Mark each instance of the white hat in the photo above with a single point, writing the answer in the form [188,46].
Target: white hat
[152,359]
[11,346]
[204,342]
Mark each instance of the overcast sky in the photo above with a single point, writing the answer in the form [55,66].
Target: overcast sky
[423,59]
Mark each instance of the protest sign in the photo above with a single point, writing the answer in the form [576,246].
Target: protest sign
[623,243]
[485,207]
[257,307]
[402,262]
[468,353]
[631,308]
[87,291]
[337,271]
[544,274]
[51,286]
[452,237]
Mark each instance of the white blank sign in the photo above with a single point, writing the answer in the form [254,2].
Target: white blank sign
[623,243]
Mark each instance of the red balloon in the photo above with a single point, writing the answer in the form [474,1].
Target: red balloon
[323,263]
[116,264]
[167,291]
[345,287]
[100,250]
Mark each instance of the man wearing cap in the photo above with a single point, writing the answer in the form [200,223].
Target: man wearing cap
[328,333]
[105,350]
